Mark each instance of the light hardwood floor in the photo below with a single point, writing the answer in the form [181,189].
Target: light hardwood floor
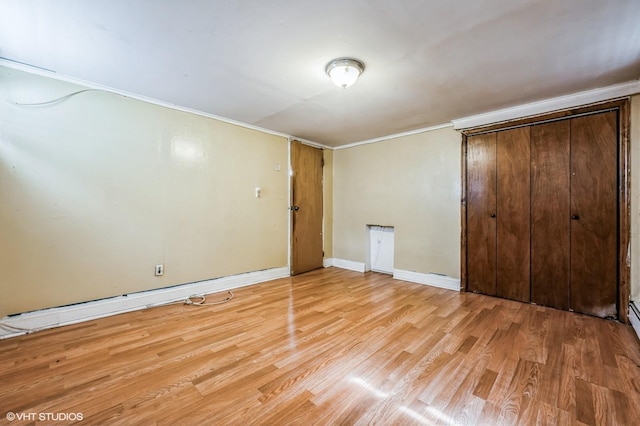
[331,347]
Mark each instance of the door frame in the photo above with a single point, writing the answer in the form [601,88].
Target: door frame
[622,105]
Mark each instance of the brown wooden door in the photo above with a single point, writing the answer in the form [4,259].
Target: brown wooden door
[594,225]
[306,209]
[481,213]
[550,214]
[513,220]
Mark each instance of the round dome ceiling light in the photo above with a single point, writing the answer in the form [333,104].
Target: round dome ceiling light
[344,71]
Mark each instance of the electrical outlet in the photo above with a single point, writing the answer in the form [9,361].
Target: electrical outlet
[159,270]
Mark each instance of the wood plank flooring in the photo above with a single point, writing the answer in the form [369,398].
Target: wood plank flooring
[330,347]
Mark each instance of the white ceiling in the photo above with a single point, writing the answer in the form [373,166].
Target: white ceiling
[262,62]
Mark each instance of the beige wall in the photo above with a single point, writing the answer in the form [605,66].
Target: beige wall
[635,198]
[411,183]
[327,186]
[96,190]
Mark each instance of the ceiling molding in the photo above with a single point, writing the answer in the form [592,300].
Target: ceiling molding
[395,135]
[520,111]
[549,105]
[68,79]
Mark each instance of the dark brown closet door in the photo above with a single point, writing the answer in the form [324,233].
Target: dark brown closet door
[481,213]
[550,212]
[513,217]
[594,214]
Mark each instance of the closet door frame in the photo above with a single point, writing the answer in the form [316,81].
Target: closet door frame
[622,106]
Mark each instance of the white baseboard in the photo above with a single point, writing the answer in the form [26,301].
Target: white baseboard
[65,315]
[634,317]
[434,280]
[349,264]
[327,263]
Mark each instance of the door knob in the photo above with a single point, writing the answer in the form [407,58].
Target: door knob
[575,217]
[295,208]
[492,215]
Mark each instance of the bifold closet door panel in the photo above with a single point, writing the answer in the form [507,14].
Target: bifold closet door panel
[513,214]
[594,224]
[550,214]
[481,205]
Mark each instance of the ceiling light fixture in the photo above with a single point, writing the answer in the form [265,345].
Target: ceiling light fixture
[344,71]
